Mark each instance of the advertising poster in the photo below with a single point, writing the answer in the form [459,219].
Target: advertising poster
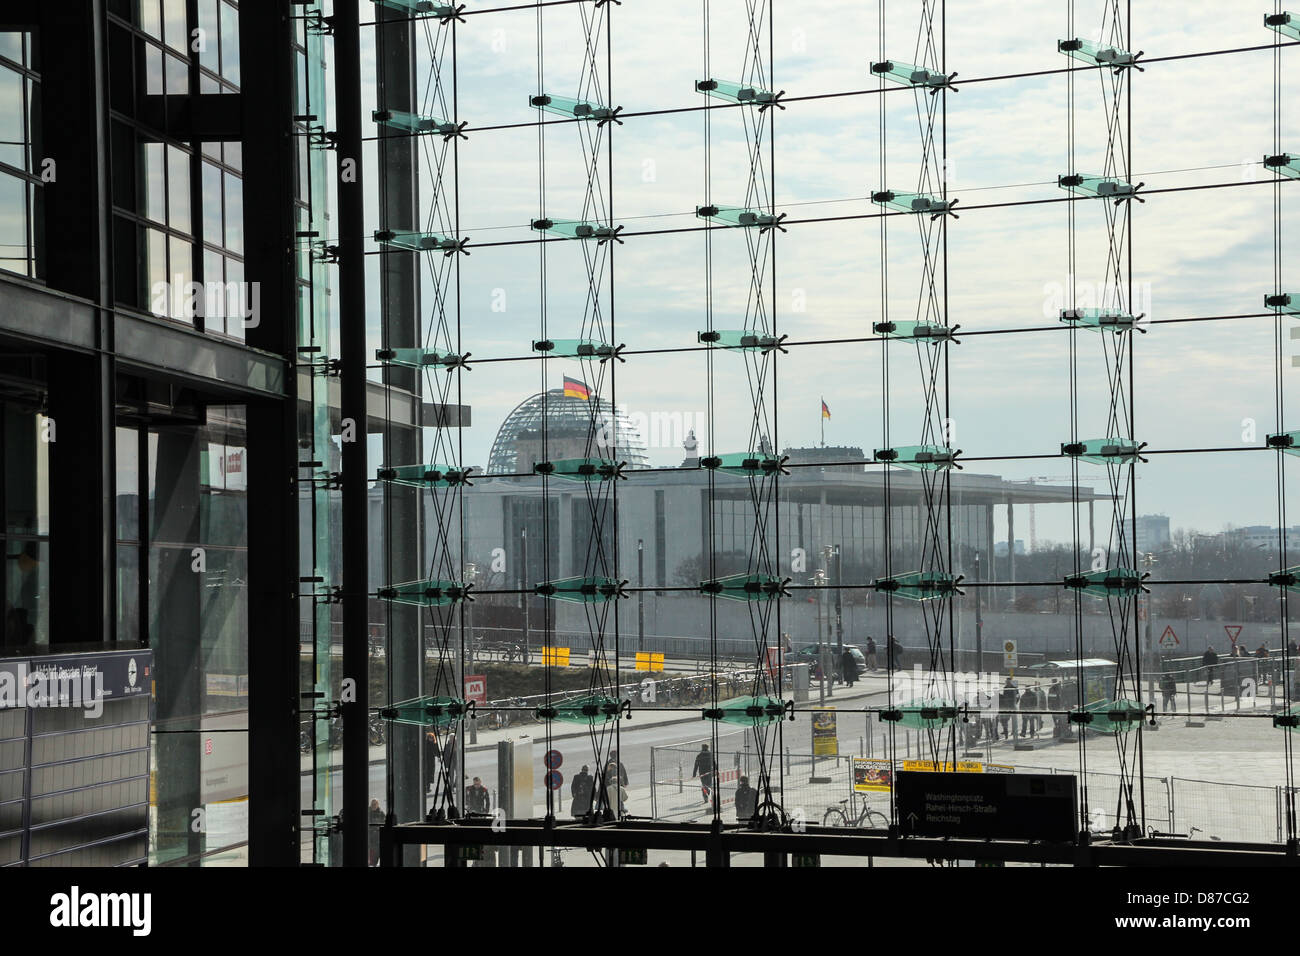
[872,776]
[825,740]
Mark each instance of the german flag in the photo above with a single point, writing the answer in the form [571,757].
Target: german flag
[826,412]
[576,389]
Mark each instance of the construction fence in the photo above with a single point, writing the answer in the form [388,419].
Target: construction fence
[820,790]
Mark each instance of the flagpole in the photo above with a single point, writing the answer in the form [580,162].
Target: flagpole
[821,417]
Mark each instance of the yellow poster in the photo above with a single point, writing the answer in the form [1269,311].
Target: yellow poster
[825,740]
[963,766]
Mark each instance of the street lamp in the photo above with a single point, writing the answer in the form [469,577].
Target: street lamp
[640,594]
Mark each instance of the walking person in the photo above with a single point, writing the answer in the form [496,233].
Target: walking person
[1028,704]
[706,769]
[1168,692]
[1054,705]
[581,791]
[871,654]
[1208,661]
[1007,708]
[849,665]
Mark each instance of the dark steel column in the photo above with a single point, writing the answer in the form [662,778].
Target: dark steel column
[79,262]
[273,758]
[352,380]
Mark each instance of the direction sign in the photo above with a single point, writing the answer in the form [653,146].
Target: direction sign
[1169,638]
[554,780]
[1234,632]
[553,759]
[1011,806]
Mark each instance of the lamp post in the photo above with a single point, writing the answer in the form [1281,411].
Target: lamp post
[523,587]
[979,621]
[471,572]
[640,594]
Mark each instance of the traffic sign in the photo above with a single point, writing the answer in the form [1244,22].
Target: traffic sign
[554,780]
[1169,638]
[1009,654]
[553,760]
[1234,632]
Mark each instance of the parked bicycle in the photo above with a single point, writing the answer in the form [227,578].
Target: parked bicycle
[867,817]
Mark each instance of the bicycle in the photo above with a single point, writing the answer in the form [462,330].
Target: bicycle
[867,817]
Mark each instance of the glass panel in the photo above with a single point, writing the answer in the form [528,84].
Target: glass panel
[156,283]
[150,18]
[234,190]
[13,148]
[212,204]
[153,66]
[27,592]
[174,32]
[178,189]
[128,485]
[237,299]
[178,75]
[230,43]
[234,154]
[210,54]
[214,299]
[181,273]
[11,46]
[154,175]
[128,593]
[13,224]
[26,472]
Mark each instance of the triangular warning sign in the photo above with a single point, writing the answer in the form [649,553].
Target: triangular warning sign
[1169,638]
[1234,631]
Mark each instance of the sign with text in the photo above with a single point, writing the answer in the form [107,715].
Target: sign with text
[872,776]
[977,806]
[476,688]
[825,738]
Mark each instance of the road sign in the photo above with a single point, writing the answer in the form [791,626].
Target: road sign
[553,760]
[1009,653]
[648,661]
[1234,632]
[554,780]
[1169,638]
[476,689]
[555,657]
[1012,806]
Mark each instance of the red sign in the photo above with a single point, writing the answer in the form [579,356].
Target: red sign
[476,688]
[1169,638]
[1234,632]
[207,746]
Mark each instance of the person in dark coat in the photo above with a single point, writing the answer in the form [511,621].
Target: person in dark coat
[1054,705]
[581,790]
[1208,660]
[746,801]
[871,653]
[705,768]
[849,667]
[432,752]
[1028,703]
[893,654]
[1168,692]
[1007,708]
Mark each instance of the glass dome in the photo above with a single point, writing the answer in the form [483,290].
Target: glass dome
[575,428]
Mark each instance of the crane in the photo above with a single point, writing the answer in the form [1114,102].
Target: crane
[1033,529]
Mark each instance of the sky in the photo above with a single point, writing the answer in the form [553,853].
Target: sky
[1195,254]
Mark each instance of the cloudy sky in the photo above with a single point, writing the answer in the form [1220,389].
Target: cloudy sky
[1202,253]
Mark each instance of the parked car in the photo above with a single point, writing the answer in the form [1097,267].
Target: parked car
[808,655]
